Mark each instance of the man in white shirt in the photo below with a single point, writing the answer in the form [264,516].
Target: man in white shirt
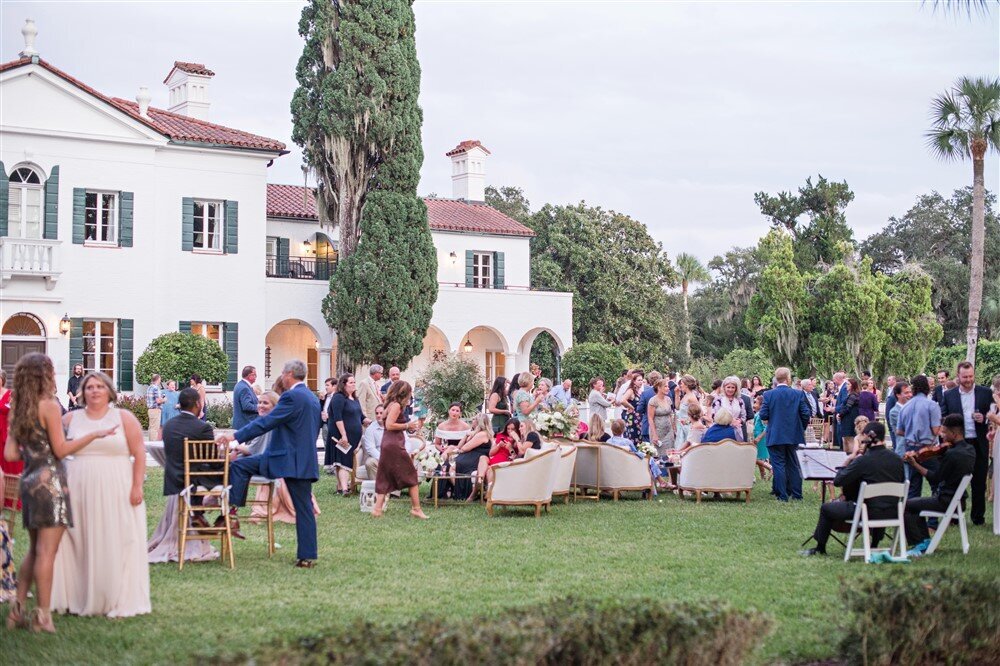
[371,442]
[563,393]
[811,399]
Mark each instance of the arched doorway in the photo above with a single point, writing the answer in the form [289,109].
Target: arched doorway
[488,347]
[22,334]
[326,256]
[293,339]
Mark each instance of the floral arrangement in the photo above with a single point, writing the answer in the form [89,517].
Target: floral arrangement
[558,420]
[647,449]
[429,459]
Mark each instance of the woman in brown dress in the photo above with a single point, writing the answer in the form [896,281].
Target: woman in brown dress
[395,468]
[36,436]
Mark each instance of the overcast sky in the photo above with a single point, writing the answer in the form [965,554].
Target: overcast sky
[674,113]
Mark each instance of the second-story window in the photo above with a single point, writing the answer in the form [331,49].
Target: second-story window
[24,209]
[208,226]
[482,270]
[100,219]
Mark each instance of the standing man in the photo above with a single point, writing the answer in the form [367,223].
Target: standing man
[393,378]
[919,426]
[154,399]
[812,398]
[290,456]
[647,394]
[73,387]
[938,395]
[972,403]
[840,379]
[787,415]
[901,394]
[369,392]
[563,394]
[890,400]
[244,399]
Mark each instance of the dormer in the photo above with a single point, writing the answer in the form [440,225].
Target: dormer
[187,84]
[468,170]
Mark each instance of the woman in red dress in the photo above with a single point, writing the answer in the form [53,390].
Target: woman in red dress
[9,468]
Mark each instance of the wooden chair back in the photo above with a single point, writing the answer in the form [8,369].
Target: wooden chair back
[202,481]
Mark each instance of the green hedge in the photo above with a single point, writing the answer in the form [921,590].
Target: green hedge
[587,360]
[135,404]
[987,360]
[922,617]
[633,632]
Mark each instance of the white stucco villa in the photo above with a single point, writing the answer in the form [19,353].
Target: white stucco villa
[120,222]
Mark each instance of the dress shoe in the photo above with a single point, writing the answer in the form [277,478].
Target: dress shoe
[809,552]
[234,526]
[198,521]
[305,564]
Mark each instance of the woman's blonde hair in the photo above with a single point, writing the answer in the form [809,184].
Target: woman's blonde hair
[34,381]
[724,417]
[104,379]
[529,426]
[526,380]
[481,423]
[595,428]
[860,423]
[272,396]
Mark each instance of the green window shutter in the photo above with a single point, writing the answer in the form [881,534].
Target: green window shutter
[4,199]
[498,273]
[231,210]
[125,359]
[185,327]
[51,229]
[231,344]
[468,268]
[75,342]
[125,208]
[281,267]
[79,214]
[187,224]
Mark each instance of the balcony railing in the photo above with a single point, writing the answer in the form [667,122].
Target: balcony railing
[299,268]
[28,257]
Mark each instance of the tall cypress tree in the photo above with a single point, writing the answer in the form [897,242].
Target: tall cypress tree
[357,119]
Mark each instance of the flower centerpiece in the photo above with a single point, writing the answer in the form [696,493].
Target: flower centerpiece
[429,459]
[558,420]
[647,449]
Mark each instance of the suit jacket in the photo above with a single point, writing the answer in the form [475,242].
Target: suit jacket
[748,423]
[951,403]
[787,416]
[295,423]
[183,426]
[647,395]
[938,395]
[818,412]
[370,397]
[841,397]
[244,405]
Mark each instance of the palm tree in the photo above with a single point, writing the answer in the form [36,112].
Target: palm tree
[690,271]
[967,7]
[991,309]
[966,123]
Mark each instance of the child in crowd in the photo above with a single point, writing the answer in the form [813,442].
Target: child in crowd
[760,438]
[618,439]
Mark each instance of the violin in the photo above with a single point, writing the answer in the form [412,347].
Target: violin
[928,452]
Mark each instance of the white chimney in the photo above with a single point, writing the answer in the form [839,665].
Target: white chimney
[29,31]
[468,170]
[188,84]
[143,98]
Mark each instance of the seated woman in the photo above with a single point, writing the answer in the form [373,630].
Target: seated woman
[505,447]
[530,439]
[618,439]
[281,502]
[446,437]
[721,429]
[472,455]
[596,432]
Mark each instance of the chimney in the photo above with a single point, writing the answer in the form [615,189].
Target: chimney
[143,98]
[468,170]
[29,31]
[188,84]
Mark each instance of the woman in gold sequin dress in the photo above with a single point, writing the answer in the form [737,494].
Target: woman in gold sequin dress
[36,436]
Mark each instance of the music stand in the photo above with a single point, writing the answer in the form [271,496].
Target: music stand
[821,465]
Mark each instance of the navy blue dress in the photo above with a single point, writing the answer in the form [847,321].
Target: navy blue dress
[349,411]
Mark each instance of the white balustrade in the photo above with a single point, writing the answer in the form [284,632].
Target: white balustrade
[28,257]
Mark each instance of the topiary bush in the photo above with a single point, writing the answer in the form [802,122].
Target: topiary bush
[587,360]
[987,360]
[220,413]
[745,363]
[635,632]
[135,404]
[179,355]
[705,369]
[451,379]
[922,617]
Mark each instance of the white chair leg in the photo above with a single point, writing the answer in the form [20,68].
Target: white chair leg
[866,534]
[965,534]
[850,542]
[942,527]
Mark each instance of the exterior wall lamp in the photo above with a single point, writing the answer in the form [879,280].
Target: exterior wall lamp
[64,324]
[467,346]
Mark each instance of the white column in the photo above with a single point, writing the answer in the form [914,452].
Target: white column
[323,365]
[510,366]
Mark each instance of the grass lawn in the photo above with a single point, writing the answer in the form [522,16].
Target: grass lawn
[461,563]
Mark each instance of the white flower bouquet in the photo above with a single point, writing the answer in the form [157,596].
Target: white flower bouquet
[429,459]
[559,421]
[647,449]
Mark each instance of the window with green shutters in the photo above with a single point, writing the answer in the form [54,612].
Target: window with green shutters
[227,335]
[51,229]
[4,199]
[209,226]
[126,365]
[484,270]
[104,345]
[102,217]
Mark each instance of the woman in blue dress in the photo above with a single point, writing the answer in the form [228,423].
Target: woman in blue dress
[346,417]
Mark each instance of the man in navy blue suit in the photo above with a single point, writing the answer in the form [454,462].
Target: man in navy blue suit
[291,455]
[643,408]
[244,399]
[787,415]
[840,381]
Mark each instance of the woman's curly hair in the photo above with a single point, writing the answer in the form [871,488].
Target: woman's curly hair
[34,381]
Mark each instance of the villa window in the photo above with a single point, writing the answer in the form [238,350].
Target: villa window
[100,218]
[99,346]
[24,208]
[207,226]
[482,270]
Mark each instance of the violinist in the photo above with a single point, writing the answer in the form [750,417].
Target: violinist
[873,462]
[957,459]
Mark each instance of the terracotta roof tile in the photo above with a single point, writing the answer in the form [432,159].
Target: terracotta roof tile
[193,68]
[172,125]
[465,147]
[295,201]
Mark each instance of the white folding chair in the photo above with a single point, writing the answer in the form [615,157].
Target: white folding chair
[865,524]
[954,512]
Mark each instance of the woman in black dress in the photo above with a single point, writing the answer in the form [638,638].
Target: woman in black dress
[472,455]
[848,412]
[345,417]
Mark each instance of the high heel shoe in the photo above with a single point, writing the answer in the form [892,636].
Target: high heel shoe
[41,622]
[16,618]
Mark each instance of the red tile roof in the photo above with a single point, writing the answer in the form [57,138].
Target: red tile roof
[295,201]
[465,147]
[190,68]
[172,125]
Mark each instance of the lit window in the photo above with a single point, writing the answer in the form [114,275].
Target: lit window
[208,226]
[24,209]
[99,346]
[100,220]
[482,270]
[212,332]
[495,361]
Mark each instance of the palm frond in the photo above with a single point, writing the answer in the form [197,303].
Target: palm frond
[948,144]
[961,7]
[946,110]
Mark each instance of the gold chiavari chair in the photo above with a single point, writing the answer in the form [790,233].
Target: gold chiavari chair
[206,474]
[270,484]
[11,496]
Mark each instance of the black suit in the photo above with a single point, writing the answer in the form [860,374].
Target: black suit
[877,465]
[748,423]
[816,412]
[951,403]
[183,426]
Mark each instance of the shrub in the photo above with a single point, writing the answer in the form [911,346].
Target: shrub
[587,360]
[633,632]
[452,379]
[135,404]
[180,355]
[220,414]
[987,360]
[704,369]
[922,617]
[745,363]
